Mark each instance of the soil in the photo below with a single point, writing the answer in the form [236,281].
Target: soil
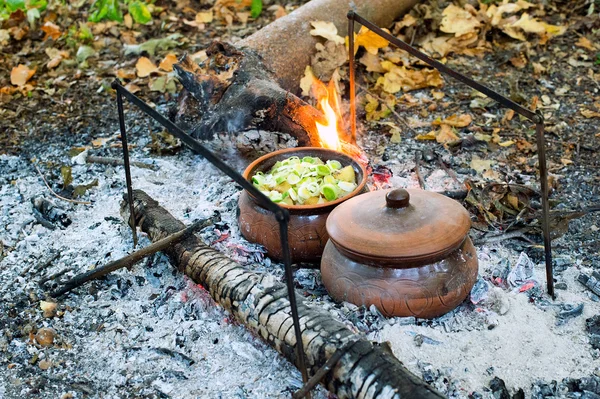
[150,332]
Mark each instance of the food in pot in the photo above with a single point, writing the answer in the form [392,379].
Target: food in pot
[306,181]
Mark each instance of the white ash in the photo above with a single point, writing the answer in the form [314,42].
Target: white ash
[151,331]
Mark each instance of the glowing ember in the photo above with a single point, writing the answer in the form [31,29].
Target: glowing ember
[328,103]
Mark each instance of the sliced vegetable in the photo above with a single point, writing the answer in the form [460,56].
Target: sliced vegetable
[306,181]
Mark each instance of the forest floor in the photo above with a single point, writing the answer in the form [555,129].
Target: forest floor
[150,332]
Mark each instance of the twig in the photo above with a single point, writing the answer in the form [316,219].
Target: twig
[54,276]
[133,257]
[449,172]
[118,162]
[418,171]
[56,195]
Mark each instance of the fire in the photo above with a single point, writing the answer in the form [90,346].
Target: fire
[327,100]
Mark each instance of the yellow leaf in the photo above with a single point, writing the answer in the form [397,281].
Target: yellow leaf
[371,41]
[455,120]
[372,62]
[204,17]
[585,43]
[428,136]
[566,161]
[20,74]
[326,30]
[438,95]
[513,200]
[446,135]
[145,67]
[481,165]
[167,63]
[496,13]
[307,81]
[401,78]
[532,25]
[507,143]
[588,113]
[458,21]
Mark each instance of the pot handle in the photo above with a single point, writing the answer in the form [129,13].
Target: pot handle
[397,198]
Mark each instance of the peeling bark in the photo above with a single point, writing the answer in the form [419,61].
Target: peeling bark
[260,303]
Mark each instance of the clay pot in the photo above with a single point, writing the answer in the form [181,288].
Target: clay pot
[307,233]
[405,251]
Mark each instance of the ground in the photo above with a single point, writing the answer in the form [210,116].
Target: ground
[148,331]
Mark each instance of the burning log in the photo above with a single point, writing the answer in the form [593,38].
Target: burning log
[261,304]
[252,85]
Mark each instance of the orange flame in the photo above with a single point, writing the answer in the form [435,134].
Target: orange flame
[327,100]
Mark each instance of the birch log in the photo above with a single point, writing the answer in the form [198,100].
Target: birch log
[366,370]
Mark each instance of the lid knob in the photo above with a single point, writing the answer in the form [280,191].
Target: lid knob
[397,198]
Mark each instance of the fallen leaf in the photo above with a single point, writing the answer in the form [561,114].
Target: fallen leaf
[538,68]
[167,63]
[163,84]
[133,88]
[277,10]
[585,43]
[496,13]
[145,67]
[20,74]
[458,21]
[371,41]
[531,25]
[56,56]
[307,81]
[372,62]
[67,177]
[455,121]
[199,56]
[428,136]
[401,78]
[152,45]
[326,30]
[100,141]
[374,111]
[446,134]
[507,143]
[588,113]
[438,95]
[327,59]
[519,61]
[126,74]
[481,165]
[407,21]
[51,30]
[84,52]
[204,17]
[80,190]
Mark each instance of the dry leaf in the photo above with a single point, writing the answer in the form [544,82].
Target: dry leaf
[133,88]
[538,68]
[277,10]
[438,95]
[51,30]
[458,21]
[20,75]
[496,13]
[407,21]
[531,25]
[167,63]
[585,43]
[128,21]
[371,41]
[400,78]
[56,56]
[455,121]
[428,136]
[145,67]
[307,81]
[372,62]
[199,57]
[588,113]
[507,143]
[126,74]
[326,30]
[327,59]
[519,61]
[446,135]
[204,17]
[481,165]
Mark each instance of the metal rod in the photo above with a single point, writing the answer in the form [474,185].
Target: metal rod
[352,78]
[541,147]
[281,214]
[443,68]
[127,168]
[506,102]
[289,279]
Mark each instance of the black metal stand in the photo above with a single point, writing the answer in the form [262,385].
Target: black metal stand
[281,214]
[536,118]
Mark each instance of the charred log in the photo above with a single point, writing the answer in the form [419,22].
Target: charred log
[261,304]
[252,85]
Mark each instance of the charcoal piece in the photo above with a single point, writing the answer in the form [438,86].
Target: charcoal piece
[591,282]
[561,286]
[520,394]
[593,327]
[50,213]
[568,312]
[498,387]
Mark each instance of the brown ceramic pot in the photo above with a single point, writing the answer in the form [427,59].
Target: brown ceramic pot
[405,251]
[307,233]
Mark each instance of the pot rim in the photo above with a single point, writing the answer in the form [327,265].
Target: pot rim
[359,188]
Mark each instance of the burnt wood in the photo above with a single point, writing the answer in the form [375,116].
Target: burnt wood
[260,303]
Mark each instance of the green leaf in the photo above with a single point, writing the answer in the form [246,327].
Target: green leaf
[140,13]
[114,11]
[82,188]
[151,45]
[65,172]
[39,4]
[99,10]
[84,52]
[84,33]
[256,8]
[14,5]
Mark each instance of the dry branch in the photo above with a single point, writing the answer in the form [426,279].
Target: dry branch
[260,303]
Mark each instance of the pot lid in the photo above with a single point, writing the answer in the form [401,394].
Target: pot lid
[399,225]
